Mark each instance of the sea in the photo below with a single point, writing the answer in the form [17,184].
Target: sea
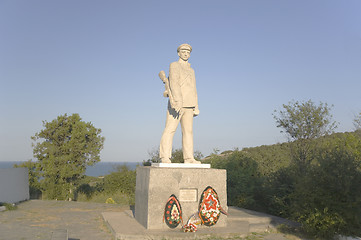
[99,169]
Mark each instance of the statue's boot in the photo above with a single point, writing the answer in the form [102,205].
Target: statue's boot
[191,160]
[166,160]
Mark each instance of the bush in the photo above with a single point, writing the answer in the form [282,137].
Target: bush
[244,183]
[54,190]
[86,190]
[110,201]
[327,198]
[322,224]
[278,189]
[121,180]
[9,206]
[101,197]
[119,186]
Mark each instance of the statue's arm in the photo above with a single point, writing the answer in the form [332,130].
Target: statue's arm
[174,83]
[196,108]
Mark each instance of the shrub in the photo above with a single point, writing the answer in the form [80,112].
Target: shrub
[110,201]
[327,198]
[9,206]
[118,186]
[322,224]
[121,180]
[101,197]
[244,183]
[86,190]
[278,189]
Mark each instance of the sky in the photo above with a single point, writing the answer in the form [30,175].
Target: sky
[101,59]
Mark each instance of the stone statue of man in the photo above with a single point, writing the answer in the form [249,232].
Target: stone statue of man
[182,106]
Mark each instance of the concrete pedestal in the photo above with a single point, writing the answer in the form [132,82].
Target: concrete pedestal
[154,185]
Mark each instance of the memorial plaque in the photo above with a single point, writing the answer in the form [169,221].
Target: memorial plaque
[188,195]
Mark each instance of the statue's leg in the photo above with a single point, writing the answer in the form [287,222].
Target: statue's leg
[187,135]
[165,148]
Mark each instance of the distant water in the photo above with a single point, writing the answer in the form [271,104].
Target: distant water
[9,164]
[99,169]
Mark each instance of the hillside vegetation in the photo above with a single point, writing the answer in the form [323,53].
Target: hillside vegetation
[313,179]
[324,195]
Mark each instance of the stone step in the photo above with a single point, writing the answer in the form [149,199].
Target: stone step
[124,226]
[240,222]
[255,218]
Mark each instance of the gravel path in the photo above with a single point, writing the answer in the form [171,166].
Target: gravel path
[37,219]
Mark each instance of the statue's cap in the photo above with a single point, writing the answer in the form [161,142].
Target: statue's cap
[184,46]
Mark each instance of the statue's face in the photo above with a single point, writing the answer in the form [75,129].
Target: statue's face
[184,54]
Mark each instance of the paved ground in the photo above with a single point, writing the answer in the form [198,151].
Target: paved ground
[240,223]
[38,219]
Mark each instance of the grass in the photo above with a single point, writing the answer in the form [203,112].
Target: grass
[9,206]
[295,232]
[103,197]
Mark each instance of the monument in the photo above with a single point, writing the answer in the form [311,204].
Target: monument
[182,105]
[171,194]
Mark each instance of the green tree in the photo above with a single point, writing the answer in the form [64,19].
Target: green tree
[327,198]
[303,122]
[121,179]
[64,148]
[177,156]
[357,121]
[243,180]
[270,158]
[119,185]
[153,157]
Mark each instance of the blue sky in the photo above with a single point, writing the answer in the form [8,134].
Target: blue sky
[101,59]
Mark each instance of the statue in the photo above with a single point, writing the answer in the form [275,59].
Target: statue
[182,105]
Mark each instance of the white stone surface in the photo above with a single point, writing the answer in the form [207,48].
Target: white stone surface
[181,165]
[14,185]
[181,89]
[155,185]
[188,195]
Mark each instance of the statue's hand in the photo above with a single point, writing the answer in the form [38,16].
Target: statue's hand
[165,93]
[177,107]
[195,111]
[162,76]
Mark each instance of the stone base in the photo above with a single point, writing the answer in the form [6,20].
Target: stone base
[181,165]
[154,185]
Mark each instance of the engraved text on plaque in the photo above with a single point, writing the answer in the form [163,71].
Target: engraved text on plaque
[188,195]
